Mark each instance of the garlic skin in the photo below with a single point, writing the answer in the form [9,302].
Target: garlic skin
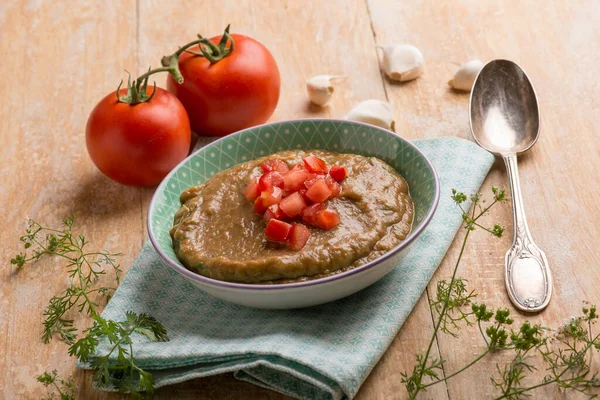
[320,88]
[464,78]
[374,112]
[402,62]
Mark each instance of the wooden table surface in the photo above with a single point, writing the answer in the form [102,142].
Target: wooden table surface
[61,58]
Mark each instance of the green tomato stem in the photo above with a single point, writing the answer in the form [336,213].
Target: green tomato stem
[137,91]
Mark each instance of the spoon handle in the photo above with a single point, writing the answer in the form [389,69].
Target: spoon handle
[527,275]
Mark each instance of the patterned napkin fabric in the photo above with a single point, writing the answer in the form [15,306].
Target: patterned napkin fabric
[323,352]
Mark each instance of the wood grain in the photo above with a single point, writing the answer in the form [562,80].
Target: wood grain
[60,59]
[558,185]
[54,74]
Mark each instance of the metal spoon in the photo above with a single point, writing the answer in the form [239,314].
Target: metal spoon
[505,121]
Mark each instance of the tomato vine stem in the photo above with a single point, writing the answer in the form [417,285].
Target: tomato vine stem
[137,90]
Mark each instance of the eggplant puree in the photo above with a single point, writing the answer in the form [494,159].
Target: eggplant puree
[216,232]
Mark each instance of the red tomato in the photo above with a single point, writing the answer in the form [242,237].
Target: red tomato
[294,179]
[315,164]
[270,179]
[298,237]
[274,164]
[318,192]
[138,144]
[266,199]
[252,191]
[310,212]
[333,186]
[338,172]
[234,93]
[303,194]
[327,219]
[274,212]
[277,231]
[297,167]
[312,179]
[292,205]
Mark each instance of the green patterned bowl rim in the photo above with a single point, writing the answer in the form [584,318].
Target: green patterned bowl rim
[231,285]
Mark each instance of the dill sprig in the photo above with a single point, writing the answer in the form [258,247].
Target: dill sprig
[566,354]
[115,367]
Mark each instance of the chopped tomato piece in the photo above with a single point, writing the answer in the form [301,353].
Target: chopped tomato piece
[333,186]
[294,179]
[327,219]
[303,194]
[270,180]
[252,191]
[338,172]
[310,212]
[277,231]
[259,206]
[292,205]
[318,192]
[274,211]
[298,236]
[312,178]
[297,167]
[274,164]
[266,199]
[315,165]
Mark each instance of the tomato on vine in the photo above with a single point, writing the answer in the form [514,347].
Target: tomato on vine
[229,83]
[136,135]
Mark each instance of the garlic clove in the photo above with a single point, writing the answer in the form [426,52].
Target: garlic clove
[465,76]
[402,62]
[320,88]
[374,112]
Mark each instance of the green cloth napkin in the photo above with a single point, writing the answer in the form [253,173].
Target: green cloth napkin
[323,352]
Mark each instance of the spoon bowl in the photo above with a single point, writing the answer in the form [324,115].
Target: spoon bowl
[504,109]
[505,121]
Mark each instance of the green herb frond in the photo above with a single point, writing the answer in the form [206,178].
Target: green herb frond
[566,356]
[458,311]
[116,367]
[64,389]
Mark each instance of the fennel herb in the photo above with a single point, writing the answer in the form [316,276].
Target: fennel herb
[65,389]
[84,268]
[566,354]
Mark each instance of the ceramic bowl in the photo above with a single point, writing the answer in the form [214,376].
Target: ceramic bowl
[325,134]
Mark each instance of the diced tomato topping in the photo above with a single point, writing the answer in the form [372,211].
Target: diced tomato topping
[298,167]
[298,236]
[266,199]
[327,219]
[252,191]
[292,205]
[277,231]
[315,165]
[274,164]
[274,211]
[282,194]
[268,214]
[312,178]
[318,192]
[259,206]
[269,180]
[294,179]
[303,194]
[338,172]
[310,212]
[333,186]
